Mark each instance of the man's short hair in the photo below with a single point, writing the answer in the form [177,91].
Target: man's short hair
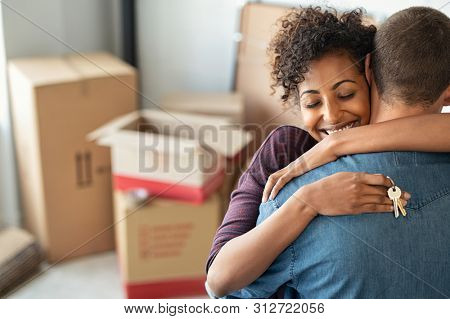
[411,61]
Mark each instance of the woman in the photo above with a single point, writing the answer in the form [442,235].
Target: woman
[319,63]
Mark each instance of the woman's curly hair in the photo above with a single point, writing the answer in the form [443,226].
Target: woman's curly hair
[306,34]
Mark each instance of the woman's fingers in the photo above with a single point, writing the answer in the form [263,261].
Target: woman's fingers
[379,200]
[283,180]
[375,208]
[294,169]
[268,188]
[382,182]
[271,181]
[374,179]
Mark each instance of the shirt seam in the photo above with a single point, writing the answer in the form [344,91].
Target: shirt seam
[291,248]
[435,196]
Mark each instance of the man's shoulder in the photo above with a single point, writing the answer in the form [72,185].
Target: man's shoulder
[383,159]
[376,163]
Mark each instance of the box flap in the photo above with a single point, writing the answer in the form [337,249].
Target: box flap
[40,71]
[114,133]
[44,70]
[216,132]
[113,126]
[98,64]
[211,131]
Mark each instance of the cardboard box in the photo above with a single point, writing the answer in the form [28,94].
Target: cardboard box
[65,181]
[174,155]
[163,245]
[230,105]
[258,25]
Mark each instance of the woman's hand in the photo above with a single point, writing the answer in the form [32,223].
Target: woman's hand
[321,154]
[348,193]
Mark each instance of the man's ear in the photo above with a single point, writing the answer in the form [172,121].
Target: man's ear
[367,69]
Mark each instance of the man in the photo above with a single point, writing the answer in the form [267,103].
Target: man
[378,255]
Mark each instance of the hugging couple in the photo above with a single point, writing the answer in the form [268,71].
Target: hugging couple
[311,216]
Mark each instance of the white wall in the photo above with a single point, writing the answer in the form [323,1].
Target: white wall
[189,45]
[30,28]
[86,25]
[186,45]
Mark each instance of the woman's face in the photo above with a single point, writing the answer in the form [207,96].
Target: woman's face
[334,96]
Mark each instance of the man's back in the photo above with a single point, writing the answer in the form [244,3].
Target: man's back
[371,255]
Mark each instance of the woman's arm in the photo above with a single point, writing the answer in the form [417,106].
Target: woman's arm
[422,133]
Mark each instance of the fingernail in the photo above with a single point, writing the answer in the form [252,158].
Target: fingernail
[407,195]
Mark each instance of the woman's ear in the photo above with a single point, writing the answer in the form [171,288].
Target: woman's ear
[447,96]
[367,69]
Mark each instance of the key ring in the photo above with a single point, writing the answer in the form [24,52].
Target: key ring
[392,182]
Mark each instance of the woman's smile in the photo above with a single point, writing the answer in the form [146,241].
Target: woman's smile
[334,96]
[340,127]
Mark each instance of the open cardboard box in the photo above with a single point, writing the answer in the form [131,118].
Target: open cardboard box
[175,155]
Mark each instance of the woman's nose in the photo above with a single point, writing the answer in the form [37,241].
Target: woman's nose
[331,113]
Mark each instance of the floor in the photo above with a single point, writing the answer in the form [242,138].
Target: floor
[95,276]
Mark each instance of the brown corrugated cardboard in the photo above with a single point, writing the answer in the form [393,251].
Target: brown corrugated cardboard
[258,25]
[222,104]
[163,245]
[64,180]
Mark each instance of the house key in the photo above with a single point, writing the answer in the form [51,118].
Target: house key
[394,193]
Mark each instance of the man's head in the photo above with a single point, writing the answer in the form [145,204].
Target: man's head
[411,61]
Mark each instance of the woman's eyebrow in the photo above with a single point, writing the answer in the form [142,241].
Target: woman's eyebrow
[309,91]
[336,85]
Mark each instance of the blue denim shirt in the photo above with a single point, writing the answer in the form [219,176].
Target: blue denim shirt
[370,255]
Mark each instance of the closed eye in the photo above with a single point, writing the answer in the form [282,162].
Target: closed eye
[309,106]
[347,96]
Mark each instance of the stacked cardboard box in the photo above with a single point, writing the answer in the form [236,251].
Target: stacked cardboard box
[258,26]
[65,181]
[177,160]
[163,244]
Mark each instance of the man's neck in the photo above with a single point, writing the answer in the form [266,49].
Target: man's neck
[382,110]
